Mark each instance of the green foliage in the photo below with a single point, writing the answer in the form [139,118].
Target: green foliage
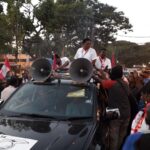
[70,21]
[65,22]
[1,8]
[5,34]
[16,24]
[45,13]
[130,53]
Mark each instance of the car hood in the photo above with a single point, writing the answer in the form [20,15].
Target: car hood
[43,134]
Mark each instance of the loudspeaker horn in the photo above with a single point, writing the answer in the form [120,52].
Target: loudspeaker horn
[81,70]
[41,69]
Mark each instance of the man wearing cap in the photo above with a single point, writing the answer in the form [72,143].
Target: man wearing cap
[86,51]
[102,62]
[118,92]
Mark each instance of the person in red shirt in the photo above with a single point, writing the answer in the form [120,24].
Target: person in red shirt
[118,92]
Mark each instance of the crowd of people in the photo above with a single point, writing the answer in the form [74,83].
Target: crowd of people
[12,82]
[130,94]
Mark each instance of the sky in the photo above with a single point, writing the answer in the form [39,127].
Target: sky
[138,12]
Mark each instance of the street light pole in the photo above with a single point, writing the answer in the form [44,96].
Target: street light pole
[17,28]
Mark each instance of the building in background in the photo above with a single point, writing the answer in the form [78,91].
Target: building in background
[24,62]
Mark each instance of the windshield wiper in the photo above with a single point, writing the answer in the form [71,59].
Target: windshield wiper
[77,118]
[32,116]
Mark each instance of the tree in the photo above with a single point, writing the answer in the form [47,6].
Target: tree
[1,8]
[21,23]
[71,21]
[129,53]
[65,23]
[5,32]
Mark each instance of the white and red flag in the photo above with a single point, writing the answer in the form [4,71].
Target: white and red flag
[5,68]
[113,60]
[54,65]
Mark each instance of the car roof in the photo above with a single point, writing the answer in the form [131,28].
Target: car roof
[64,81]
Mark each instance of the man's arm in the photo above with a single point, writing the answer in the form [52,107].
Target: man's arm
[94,57]
[77,54]
[64,65]
[109,64]
[107,84]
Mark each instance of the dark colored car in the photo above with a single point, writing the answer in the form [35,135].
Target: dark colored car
[50,116]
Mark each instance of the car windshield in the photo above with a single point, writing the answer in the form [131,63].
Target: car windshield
[67,101]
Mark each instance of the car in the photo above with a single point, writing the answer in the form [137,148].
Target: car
[53,115]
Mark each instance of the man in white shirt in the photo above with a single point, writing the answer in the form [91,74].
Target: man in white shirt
[86,51]
[62,63]
[102,62]
[5,94]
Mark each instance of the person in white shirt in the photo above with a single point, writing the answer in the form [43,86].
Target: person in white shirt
[86,51]
[25,77]
[12,82]
[102,62]
[62,63]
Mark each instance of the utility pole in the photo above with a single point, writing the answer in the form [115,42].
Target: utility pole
[86,22]
[17,28]
[92,26]
[89,23]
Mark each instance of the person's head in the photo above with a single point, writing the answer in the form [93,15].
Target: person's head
[9,73]
[135,74]
[25,74]
[131,80]
[86,43]
[116,72]
[145,74]
[12,81]
[146,92]
[132,84]
[103,52]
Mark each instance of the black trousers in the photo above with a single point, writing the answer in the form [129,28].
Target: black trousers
[117,133]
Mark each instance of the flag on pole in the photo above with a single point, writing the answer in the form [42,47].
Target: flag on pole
[5,68]
[63,52]
[113,60]
[54,65]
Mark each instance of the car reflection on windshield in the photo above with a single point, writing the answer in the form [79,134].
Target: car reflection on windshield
[51,101]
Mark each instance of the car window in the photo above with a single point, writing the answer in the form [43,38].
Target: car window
[53,100]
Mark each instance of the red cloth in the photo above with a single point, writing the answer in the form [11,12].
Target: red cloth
[7,64]
[113,60]
[107,84]
[5,68]
[54,65]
